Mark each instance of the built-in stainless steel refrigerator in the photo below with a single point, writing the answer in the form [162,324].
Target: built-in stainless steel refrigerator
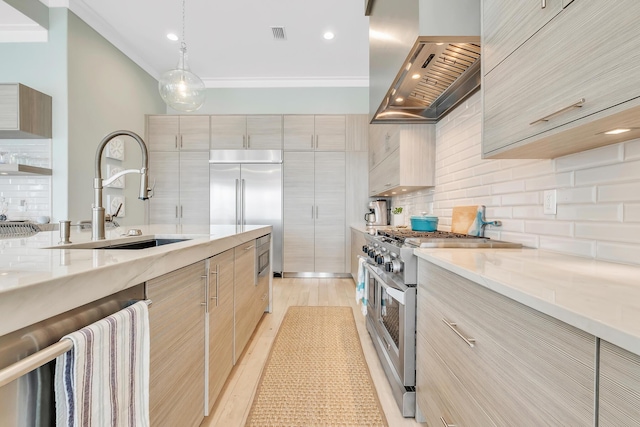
[246,189]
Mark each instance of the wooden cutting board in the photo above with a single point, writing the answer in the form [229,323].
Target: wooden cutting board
[467,219]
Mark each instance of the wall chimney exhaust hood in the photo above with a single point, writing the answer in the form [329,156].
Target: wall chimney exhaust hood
[424,58]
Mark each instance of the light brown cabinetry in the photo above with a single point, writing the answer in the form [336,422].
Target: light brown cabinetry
[569,82]
[180,187]
[357,242]
[237,132]
[314,212]
[315,133]
[403,157]
[245,294]
[483,356]
[220,319]
[176,319]
[619,391]
[25,113]
[177,133]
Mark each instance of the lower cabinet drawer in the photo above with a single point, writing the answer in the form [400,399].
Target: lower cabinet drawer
[619,392]
[442,398]
[522,367]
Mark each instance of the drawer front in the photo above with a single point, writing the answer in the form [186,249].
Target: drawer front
[619,392]
[543,367]
[550,73]
[441,397]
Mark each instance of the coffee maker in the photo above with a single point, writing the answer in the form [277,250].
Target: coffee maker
[377,213]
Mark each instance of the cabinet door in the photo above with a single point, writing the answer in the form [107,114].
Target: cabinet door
[264,132]
[299,212]
[164,176]
[194,133]
[220,361]
[194,188]
[386,175]
[507,24]
[330,213]
[298,132]
[619,392]
[357,132]
[244,295]
[550,81]
[162,133]
[331,133]
[176,369]
[228,132]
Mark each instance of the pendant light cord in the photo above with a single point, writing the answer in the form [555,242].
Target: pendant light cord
[183,42]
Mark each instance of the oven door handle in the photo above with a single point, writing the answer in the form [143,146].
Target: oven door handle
[394,293]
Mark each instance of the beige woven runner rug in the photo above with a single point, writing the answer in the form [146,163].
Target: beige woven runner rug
[316,374]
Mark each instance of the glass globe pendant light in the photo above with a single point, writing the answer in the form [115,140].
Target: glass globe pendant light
[179,88]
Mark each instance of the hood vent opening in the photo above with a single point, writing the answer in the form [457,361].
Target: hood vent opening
[426,63]
[279,33]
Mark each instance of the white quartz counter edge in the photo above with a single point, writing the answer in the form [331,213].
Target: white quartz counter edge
[94,274]
[600,298]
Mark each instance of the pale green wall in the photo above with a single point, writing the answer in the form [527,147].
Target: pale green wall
[317,100]
[107,92]
[43,66]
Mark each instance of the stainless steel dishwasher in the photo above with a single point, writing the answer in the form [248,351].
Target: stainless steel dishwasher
[263,258]
[28,401]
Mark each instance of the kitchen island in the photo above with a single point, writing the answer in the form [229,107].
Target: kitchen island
[40,279]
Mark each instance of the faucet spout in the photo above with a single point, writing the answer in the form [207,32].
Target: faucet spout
[98,211]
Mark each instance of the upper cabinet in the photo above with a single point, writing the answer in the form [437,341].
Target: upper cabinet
[315,133]
[177,133]
[24,112]
[259,132]
[556,78]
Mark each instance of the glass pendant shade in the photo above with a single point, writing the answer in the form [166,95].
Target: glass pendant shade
[179,88]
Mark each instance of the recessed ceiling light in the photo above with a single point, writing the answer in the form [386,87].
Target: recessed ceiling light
[399,99]
[404,189]
[173,37]
[408,67]
[416,76]
[328,35]
[616,131]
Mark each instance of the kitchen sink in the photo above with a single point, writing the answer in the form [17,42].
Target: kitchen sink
[148,242]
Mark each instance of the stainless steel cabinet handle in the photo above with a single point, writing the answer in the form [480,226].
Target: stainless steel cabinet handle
[180,211]
[248,247]
[316,211]
[217,274]
[470,341]
[249,141]
[544,4]
[311,211]
[244,141]
[563,110]
[176,141]
[176,211]
[445,423]
[180,140]
[317,138]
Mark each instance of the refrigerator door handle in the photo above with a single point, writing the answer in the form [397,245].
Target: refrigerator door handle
[237,202]
[244,219]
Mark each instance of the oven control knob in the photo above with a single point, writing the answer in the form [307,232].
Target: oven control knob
[371,253]
[383,259]
[365,248]
[393,266]
[379,259]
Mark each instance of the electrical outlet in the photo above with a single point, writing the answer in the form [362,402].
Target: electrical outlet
[550,202]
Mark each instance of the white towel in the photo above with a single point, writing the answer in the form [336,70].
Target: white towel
[104,379]
[362,286]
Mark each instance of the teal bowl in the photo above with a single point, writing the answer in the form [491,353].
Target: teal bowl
[424,223]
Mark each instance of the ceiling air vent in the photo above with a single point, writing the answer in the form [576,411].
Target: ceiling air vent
[278,33]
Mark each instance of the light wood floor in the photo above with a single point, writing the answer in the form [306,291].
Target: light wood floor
[234,404]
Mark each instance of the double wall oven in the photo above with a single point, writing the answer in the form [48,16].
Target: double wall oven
[392,271]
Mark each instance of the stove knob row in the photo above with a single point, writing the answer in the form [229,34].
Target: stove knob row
[393,266]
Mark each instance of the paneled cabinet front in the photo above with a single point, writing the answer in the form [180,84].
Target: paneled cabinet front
[314,212]
[245,294]
[571,81]
[482,356]
[176,133]
[176,319]
[619,391]
[180,184]
[238,132]
[315,133]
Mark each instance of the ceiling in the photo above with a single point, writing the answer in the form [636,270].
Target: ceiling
[231,43]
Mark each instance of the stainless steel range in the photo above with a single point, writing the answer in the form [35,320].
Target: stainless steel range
[391,311]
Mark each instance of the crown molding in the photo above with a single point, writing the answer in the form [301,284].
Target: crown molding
[288,82]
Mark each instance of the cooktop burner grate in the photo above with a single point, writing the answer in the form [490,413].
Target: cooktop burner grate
[400,235]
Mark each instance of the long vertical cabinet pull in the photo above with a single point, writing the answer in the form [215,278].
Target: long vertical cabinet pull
[311,141]
[544,4]
[217,274]
[311,211]
[316,211]
[317,142]
[180,211]
[176,140]
[248,141]
[244,141]
[180,140]
[176,211]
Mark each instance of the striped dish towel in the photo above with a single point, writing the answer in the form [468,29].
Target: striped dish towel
[361,287]
[104,379]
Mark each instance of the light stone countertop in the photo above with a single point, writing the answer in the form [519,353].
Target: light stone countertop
[601,298]
[40,279]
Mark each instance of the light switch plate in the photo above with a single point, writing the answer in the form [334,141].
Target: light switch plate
[550,202]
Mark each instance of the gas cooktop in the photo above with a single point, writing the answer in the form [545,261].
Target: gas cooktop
[440,239]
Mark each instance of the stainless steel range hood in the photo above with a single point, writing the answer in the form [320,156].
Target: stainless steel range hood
[424,58]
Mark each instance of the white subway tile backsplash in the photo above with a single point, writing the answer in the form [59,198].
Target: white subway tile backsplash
[588,159]
[551,228]
[608,212]
[576,195]
[585,248]
[631,212]
[627,192]
[622,172]
[598,192]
